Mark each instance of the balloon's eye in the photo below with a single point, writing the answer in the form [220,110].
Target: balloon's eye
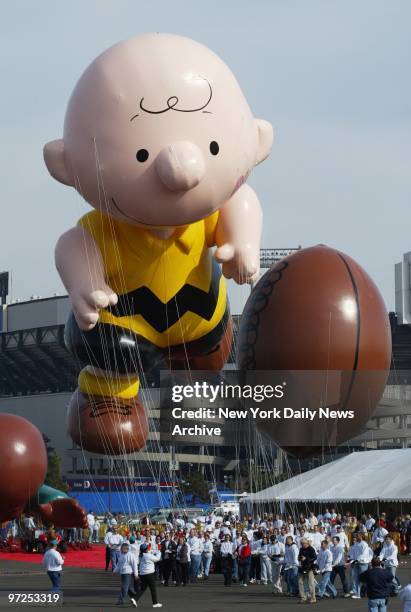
[214,148]
[142,155]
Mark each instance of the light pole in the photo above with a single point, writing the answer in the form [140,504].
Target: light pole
[4,287]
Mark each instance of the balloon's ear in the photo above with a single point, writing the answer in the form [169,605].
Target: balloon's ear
[265,139]
[54,157]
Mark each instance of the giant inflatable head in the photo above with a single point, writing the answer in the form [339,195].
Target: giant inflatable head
[158,133]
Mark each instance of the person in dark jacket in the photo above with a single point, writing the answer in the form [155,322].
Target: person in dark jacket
[108,553]
[378,582]
[183,561]
[168,559]
[308,563]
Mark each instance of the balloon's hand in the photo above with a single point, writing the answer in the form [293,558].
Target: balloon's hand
[87,303]
[240,264]
[63,512]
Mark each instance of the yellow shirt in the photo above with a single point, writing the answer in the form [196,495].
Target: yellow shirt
[170,291]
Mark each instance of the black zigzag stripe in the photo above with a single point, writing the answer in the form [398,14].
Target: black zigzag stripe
[142,301]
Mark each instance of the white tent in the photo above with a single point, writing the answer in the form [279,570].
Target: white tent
[380,475]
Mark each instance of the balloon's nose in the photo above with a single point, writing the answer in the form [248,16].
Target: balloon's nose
[180,166]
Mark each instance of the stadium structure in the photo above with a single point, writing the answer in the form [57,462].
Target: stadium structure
[38,375]
[37,378]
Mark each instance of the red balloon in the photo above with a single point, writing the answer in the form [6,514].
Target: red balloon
[23,464]
[63,512]
[318,311]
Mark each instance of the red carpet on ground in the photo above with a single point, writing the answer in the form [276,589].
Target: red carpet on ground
[94,558]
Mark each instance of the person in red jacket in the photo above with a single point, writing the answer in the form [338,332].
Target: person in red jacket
[244,560]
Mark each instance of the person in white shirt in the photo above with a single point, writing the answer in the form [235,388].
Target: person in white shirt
[291,564]
[265,561]
[278,523]
[96,529]
[378,537]
[342,535]
[312,519]
[389,555]
[236,538]
[276,552]
[290,526]
[127,568]
[255,568]
[359,557]
[216,531]
[280,536]
[29,523]
[226,528]
[325,566]
[369,523]
[53,562]
[147,573]
[315,538]
[156,545]
[134,547]
[206,555]
[114,541]
[337,551]
[250,534]
[284,533]
[227,551]
[196,549]
[361,528]
[90,521]
[179,523]
[326,527]
[29,529]
[405,596]
[302,534]
[151,537]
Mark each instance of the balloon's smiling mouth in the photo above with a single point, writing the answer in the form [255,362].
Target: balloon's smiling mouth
[117,207]
[150,225]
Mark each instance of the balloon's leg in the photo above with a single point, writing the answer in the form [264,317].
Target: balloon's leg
[214,359]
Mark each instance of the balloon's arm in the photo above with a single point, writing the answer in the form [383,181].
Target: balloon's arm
[81,268]
[238,236]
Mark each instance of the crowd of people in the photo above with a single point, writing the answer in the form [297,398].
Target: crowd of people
[313,558]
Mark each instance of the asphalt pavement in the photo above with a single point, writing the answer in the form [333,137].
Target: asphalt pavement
[97,591]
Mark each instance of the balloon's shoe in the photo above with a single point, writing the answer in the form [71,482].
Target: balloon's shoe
[107,425]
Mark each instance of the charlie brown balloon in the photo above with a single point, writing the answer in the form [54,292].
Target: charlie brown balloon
[159,140]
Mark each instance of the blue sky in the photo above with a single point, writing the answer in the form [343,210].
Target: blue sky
[333,77]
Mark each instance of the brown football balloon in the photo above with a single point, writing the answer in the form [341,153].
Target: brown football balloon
[23,464]
[318,317]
